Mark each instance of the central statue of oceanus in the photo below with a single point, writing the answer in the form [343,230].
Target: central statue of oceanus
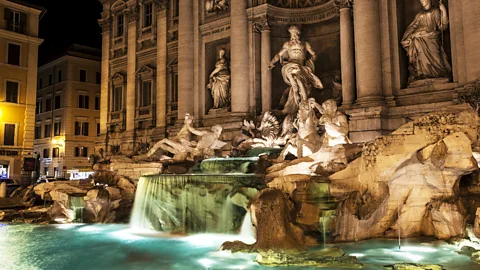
[297,71]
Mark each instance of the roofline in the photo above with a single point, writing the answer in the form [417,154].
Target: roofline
[64,58]
[30,5]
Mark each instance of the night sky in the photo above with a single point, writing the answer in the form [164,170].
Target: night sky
[67,22]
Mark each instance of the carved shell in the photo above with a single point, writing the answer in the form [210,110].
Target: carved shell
[269,126]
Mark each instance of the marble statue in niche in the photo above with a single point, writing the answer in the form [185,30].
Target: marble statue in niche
[219,84]
[215,6]
[298,71]
[423,42]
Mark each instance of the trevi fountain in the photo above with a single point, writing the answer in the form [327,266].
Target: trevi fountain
[295,187]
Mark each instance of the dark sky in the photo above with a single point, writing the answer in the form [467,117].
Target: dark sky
[67,22]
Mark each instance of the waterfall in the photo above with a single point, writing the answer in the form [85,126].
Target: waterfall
[228,165]
[77,205]
[247,231]
[189,203]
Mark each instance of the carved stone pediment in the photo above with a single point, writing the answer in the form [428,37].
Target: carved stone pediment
[145,69]
[118,5]
[119,77]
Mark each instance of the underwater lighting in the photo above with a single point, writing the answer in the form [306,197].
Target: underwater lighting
[207,263]
[419,249]
[358,255]
[90,229]
[125,234]
[66,226]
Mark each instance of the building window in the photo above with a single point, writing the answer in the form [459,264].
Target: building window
[84,152]
[38,132]
[13,54]
[59,76]
[81,128]
[83,75]
[56,129]
[9,134]
[85,128]
[16,21]
[146,94]
[81,152]
[57,102]
[46,154]
[83,101]
[56,152]
[174,97]
[97,103]
[50,79]
[176,9]
[40,83]
[48,104]
[38,107]
[120,25]
[98,129]
[12,92]
[47,133]
[147,15]
[98,78]
[117,99]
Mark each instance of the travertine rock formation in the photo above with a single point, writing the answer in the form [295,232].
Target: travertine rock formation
[406,183]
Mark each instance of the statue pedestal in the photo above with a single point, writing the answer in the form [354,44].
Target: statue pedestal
[426,82]
[219,111]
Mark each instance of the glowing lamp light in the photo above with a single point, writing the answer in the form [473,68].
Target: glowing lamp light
[207,263]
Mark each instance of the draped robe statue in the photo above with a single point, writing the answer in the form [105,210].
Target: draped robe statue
[422,41]
[220,82]
[298,72]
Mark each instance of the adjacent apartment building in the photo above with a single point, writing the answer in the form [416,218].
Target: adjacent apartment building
[18,84]
[68,113]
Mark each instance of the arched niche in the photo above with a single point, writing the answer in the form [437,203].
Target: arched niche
[406,12]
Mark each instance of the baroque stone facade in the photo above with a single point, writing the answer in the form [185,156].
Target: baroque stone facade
[158,55]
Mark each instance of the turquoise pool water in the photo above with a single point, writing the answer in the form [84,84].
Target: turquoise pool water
[91,247]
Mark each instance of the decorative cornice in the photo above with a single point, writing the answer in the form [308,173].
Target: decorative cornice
[277,15]
[224,22]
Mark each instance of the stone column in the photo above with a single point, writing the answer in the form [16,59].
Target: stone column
[105,75]
[131,69]
[161,97]
[266,56]
[185,59]
[347,53]
[368,52]
[239,56]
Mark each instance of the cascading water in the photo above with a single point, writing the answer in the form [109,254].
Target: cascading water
[193,203]
[247,231]
[76,204]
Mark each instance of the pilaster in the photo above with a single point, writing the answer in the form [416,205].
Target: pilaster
[239,57]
